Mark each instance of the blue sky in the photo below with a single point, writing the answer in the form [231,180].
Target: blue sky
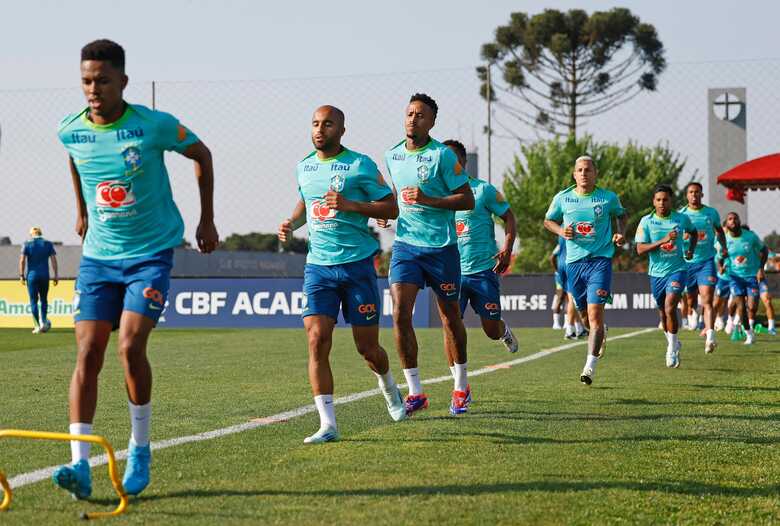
[366,57]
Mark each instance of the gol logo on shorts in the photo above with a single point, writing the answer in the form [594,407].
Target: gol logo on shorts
[675,284]
[367,308]
[447,287]
[154,295]
[491,306]
[602,293]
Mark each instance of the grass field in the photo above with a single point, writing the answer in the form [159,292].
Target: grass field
[643,445]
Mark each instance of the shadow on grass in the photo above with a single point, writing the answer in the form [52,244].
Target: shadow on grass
[675,488]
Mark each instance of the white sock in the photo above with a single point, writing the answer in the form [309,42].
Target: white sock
[668,337]
[770,324]
[591,361]
[737,319]
[674,339]
[578,327]
[749,334]
[79,450]
[324,404]
[452,372]
[710,335]
[507,334]
[568,328]
[752,323]
[140,419]
[386,381]
[413,380]
[730,319]
[461,376]
[557,317]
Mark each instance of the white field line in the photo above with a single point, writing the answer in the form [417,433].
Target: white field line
[45,473]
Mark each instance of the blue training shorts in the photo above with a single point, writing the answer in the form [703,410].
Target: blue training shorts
[106,287]
[701,274]
[589,281]
[674,283]
[482,290]
[560,278]
[723,288]
[744,286]
[439,268]
[350,287]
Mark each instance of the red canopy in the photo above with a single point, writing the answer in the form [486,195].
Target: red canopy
[762,173]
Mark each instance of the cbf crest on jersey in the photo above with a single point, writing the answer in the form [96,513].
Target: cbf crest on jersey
[337,182]
[132,157]
[598,210]
[422,173]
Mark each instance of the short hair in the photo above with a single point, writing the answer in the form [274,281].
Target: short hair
[427,100]
[663,188]
[457,146]
[36,231]
[694,183]
[584,158]
[105,50]
[334,109]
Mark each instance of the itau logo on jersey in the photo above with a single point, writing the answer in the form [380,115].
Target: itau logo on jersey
[114,194]
[320,210]
[740,260]
[669,246]
[461,227]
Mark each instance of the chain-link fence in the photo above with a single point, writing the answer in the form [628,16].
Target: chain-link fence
[258,130]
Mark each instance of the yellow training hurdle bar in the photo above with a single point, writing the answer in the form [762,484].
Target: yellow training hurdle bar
[95,439]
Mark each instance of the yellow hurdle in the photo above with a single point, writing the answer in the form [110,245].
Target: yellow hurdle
[95,439]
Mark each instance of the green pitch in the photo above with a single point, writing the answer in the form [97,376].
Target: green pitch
[643,445]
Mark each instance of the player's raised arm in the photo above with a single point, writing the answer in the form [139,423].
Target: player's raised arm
[206,234]
[82,216]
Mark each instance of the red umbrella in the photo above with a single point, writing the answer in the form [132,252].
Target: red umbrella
[762,173]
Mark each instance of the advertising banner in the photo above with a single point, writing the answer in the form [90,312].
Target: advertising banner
[15,304]
[256,303]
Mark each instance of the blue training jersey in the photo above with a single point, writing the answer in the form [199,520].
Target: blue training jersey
[435,170]
[38,251]
[124,181]
[591,216]
[475,228]
[337,237]
[704,220]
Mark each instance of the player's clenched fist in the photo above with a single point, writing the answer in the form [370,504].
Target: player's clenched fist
[285,231]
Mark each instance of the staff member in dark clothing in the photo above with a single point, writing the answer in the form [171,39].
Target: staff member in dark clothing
[35,256]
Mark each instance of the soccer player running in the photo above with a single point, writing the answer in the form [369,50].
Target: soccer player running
[583,215]
[430,186]
[34,271]
[747,255]
[661,234]
[702,273]
[339,190]
[130,225]
[481,262]
[722,288]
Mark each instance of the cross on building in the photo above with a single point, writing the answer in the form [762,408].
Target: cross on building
[727,106]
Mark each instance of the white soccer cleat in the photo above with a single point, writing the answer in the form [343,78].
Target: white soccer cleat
[36,330]
[669,357]
[709,347]
[693,321]
[719,325]
[325,434]
[395,404]
[749,338]
[557,326]
[729,327]
[586,377]
[46,326]
[510,342]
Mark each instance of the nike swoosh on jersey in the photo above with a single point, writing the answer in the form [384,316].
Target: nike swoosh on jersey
[79,162]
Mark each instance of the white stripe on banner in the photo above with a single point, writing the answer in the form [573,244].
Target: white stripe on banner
[45,473]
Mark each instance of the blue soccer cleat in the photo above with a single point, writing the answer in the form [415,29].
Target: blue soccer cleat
[137,470]
[75,479]
[414,403]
